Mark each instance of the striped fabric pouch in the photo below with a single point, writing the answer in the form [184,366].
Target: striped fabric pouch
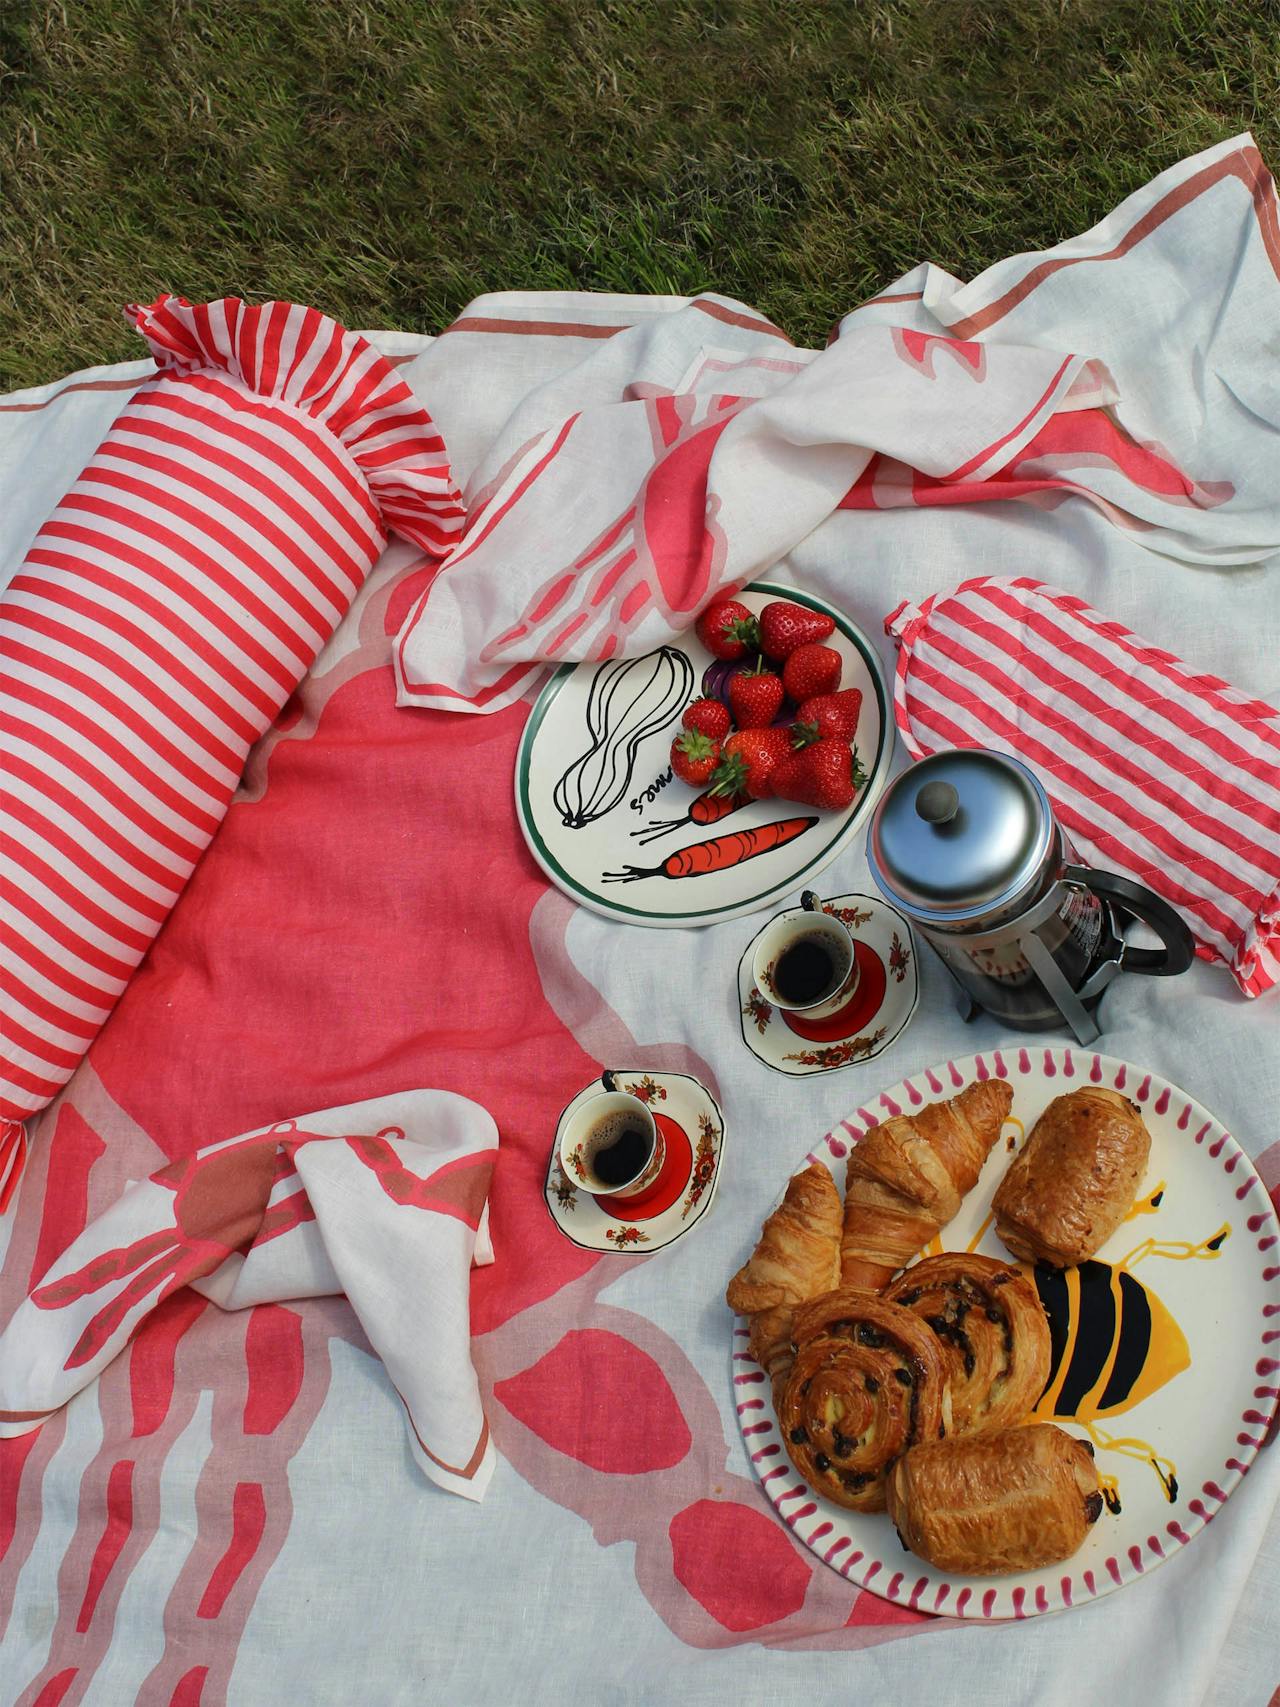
[1155,770]
[164,613]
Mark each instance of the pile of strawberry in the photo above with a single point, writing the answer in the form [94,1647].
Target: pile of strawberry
[740,749]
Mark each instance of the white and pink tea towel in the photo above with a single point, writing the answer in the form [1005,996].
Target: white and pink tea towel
[384,1201]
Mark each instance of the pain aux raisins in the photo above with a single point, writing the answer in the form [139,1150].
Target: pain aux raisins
[799,1436]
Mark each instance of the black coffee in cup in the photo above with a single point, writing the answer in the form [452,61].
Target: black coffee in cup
[808,969]
[617,1148]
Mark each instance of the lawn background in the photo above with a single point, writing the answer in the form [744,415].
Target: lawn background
[388,161]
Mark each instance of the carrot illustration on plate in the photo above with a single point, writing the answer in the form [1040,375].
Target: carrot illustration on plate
[708,808]
[719,853]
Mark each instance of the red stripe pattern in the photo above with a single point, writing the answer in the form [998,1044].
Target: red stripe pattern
[1165,774]
[163,615]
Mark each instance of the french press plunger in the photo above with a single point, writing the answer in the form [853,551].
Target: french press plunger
[965,842]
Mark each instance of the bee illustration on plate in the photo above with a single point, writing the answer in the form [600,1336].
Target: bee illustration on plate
[1114,1343]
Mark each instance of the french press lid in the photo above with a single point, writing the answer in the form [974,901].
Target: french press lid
[961,834]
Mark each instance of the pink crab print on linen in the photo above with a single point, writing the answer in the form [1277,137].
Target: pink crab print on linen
[266,1373]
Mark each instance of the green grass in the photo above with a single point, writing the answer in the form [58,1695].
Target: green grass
[388,161]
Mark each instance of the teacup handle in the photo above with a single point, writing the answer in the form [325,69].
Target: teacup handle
[609,1078]
[811,901]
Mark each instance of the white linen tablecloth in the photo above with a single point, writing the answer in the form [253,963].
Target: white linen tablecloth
[574,1581]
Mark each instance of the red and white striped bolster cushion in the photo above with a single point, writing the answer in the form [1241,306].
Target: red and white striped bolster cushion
[1156,771]
[167,609]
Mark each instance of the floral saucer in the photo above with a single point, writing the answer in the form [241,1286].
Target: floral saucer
[868,1023]
[692,1125]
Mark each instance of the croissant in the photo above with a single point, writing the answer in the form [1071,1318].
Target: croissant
[1074,1180]
[906,1177]
[993,1332]
[798,1255]
[869,1380]
[770,1345]
[1009,1501]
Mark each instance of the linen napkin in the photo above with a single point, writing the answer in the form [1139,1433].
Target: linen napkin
[384,1200]
[684,455]
[1159,772]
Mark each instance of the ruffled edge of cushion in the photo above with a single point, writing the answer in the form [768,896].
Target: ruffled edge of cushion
[13,1156]
[302,357]
[1256,961]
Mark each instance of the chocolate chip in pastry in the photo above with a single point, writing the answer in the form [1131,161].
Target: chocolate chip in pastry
[868,1381]
[993,1331]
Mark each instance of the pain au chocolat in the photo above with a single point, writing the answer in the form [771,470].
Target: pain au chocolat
[1074,1180]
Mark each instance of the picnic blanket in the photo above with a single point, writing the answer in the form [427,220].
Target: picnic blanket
[232,1512]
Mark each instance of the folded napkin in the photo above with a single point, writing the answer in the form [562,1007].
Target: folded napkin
[383,1200]
[1157,771]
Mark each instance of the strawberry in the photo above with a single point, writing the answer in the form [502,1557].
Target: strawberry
[820,775]
[831,714]
[728,630]
[754,697]
[811,670]
[694,756]
[748,761]
[784,626]
[708,717]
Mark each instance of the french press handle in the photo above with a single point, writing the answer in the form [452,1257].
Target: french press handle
[1179,948]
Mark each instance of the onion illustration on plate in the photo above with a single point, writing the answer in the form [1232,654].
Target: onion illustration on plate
[629,700]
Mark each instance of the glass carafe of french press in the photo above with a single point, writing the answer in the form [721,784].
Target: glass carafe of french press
[966,843]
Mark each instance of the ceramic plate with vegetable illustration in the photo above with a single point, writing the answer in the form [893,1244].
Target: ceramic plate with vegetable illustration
[611,825]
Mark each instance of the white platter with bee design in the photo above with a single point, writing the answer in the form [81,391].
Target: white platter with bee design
[618,837]
[1166,1349]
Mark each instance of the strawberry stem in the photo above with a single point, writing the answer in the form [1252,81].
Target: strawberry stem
[729,776]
